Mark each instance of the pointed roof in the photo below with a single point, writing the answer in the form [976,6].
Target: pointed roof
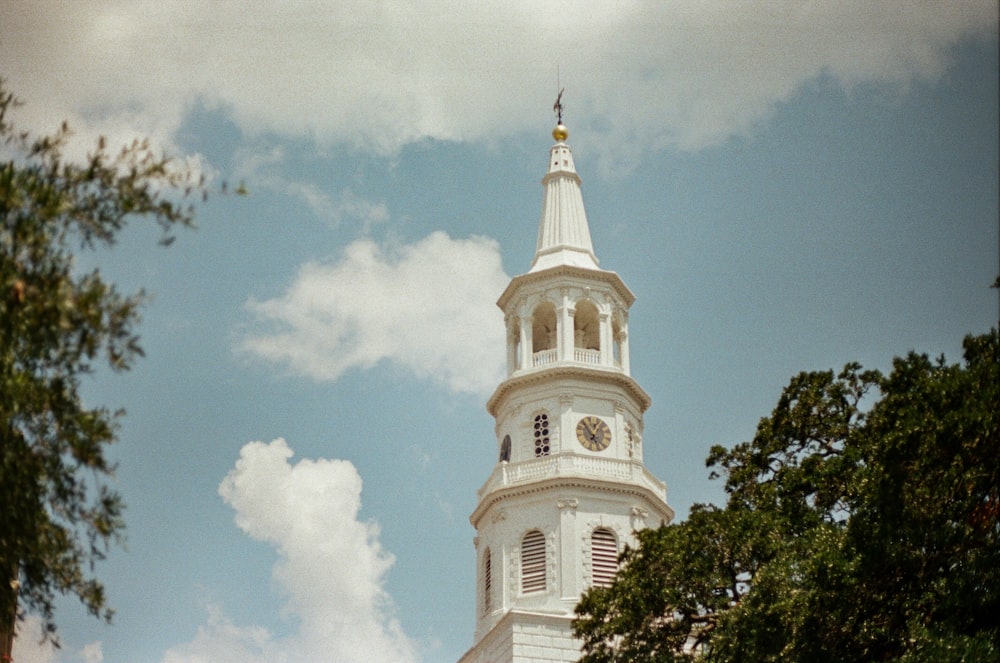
[563,233]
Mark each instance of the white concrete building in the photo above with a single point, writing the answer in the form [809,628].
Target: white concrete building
[569,487]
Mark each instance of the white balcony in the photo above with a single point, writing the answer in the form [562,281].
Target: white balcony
[506,475]
[544,358]
[580,356]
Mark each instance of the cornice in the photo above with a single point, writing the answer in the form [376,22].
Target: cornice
[567,371]
[571,271]
[556,484]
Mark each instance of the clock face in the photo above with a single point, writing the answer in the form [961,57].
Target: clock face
[593,433]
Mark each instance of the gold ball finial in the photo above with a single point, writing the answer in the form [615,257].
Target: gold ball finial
[560,133]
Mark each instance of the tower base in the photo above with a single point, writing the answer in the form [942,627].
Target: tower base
[527,637]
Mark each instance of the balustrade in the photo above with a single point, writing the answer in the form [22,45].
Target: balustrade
[544,357]
[571,464]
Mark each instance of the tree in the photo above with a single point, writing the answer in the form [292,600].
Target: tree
[862,523]
[58,514]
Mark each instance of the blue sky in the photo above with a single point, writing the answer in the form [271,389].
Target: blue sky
[785,186]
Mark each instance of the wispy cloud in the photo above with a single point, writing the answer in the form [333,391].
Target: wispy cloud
[406,304]
[263,168]
[682,74]
[331,566]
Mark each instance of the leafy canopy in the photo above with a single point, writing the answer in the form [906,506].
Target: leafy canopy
[58,514]
[862,524]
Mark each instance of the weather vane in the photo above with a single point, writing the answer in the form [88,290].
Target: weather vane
[558,107]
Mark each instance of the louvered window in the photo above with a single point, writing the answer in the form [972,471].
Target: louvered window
[603,556]
[487,581]
[533,562]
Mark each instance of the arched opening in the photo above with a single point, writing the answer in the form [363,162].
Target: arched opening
[587,333]
[543,333]
[543,327]
[603,557]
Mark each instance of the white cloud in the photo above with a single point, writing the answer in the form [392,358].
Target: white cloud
[92,653]
[406,305]
[221,641]
[331,567]
[28,645]
[30,648]
[374,75]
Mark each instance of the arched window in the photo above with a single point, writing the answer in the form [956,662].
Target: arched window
[541,433]
[543,327]
[487,581]
[587,326]
[533,562]
[603,556]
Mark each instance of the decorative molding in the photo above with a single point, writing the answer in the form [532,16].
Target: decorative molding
[653,495]
[514,570]
[571,272]
[567,503]
[498,516]
[639,516]
[511,411]
[554,372]
[551,563]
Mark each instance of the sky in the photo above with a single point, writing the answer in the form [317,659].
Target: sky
[785,186]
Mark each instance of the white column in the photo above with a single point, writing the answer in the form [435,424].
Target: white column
[623,349]
[569,572]
[566,314]
[565,327]
[526,343]
[513,334]
[607,352]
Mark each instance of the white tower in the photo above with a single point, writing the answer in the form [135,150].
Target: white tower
[569,487]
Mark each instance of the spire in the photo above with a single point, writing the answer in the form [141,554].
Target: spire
[563,233]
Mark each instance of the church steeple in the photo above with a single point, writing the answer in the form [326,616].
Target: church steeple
[563,233]
[569,487]
[584,320]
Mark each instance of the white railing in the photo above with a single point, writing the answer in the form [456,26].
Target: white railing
[543,357]
[571,465]
[587,356]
